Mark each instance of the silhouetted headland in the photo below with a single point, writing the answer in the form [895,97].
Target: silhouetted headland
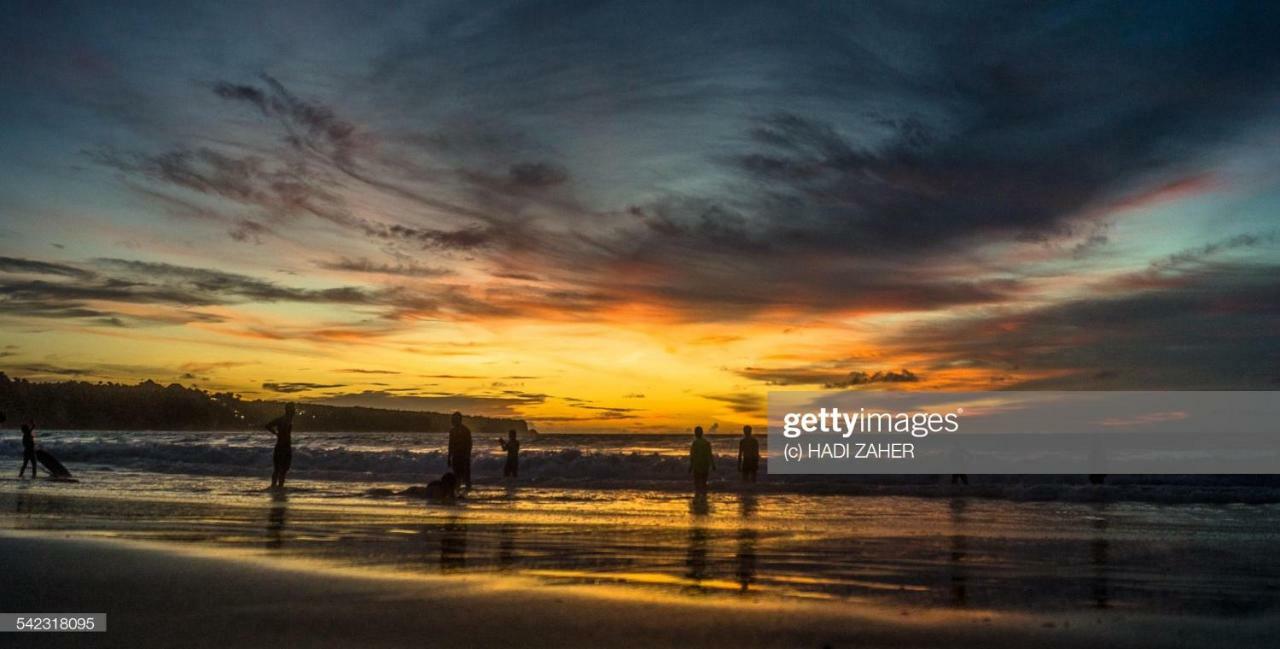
[151,406]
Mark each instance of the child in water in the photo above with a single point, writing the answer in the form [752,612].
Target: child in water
[512,446]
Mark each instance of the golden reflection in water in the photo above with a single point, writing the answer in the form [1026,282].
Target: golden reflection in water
[276,520]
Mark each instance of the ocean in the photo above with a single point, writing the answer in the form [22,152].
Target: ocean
[616,509]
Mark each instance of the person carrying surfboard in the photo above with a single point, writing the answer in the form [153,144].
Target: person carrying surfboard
[28,449]
[282,457]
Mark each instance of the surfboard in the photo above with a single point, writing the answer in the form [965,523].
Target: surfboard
[52,464]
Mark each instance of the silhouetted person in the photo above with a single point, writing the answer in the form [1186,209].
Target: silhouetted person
[282,457]
[444,490]
[28,449]
[960,478]
[512,446]
[459,455]
[701,460]
[748,455]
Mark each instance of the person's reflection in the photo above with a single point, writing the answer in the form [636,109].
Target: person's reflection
[276,519]
[506,546]
[959,549]
[22,501]
[699,506]
[746,556]
[1099,549]
[453,546]
[747,505]
[696,560]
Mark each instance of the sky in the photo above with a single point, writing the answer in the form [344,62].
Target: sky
[619,216]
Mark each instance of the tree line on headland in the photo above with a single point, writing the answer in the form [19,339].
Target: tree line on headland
[151,406]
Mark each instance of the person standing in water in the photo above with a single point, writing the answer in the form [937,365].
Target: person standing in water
[701,460]
[512,446]
[748,455]
[28,449]
[282,457]
[459,455]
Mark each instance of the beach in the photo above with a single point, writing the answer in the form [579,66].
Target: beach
[160,597]
[197,559]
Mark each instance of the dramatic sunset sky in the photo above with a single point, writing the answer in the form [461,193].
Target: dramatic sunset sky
[639,216]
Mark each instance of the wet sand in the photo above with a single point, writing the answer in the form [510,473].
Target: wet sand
[165,596]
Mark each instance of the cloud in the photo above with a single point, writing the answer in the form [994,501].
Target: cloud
[289,388]
[501,404]
[862,378]
[364,265]
[826,375]
[196,367]
[741,402]
[15,265]
[1212,331]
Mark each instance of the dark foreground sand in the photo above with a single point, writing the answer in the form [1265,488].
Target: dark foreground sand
[162,596]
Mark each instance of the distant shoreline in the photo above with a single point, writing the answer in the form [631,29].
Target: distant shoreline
[150,406]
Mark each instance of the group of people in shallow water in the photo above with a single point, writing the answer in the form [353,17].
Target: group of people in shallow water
[458,456]
[702,460]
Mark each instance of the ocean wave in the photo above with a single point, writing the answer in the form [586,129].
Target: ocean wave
[577,468]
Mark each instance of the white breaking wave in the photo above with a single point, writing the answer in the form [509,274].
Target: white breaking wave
[615,466]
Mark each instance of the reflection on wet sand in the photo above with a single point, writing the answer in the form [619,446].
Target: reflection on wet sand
[453,545]
[746,557]
[506,547]
[969,553]
[699,505]
[696,557]
[276,519]
[1098,549]
[22,502]
[959,549]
